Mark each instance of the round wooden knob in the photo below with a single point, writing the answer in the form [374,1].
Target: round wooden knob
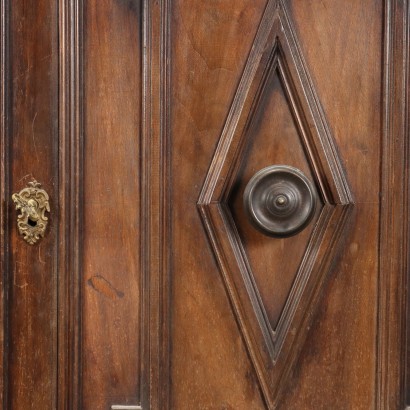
[280,201]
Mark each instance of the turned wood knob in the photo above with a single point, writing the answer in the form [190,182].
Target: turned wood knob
[280,201]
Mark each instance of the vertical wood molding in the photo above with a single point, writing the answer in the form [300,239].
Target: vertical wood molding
[155,209]
[71,213]
[406,220]
[4,194]
[406,317]
[394,231]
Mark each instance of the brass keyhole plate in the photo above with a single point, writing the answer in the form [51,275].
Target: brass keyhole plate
[33,203]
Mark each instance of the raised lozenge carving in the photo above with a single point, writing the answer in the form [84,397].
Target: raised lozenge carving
[274,346]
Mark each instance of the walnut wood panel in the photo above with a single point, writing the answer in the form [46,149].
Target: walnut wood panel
[122,109]
[111,283]
[352,99]
[350,88]
[274,350]
[30,75]
[210,42]
[112,148]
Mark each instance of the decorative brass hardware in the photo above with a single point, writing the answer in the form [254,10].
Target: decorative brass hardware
[32,203]
[280,201]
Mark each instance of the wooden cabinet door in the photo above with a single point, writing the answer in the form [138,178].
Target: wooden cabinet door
[224,197]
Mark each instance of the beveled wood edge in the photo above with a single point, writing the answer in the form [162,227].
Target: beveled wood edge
[327,164]
[275,339]
[272,379]
[392,321]
[155,205]
[4,194]
[343,194]
[207,192]
[70,34]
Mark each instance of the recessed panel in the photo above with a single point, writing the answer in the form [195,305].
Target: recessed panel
[111,263]
[29,70]
[272,139]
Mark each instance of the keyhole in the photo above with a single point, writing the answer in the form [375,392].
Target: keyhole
[31,222]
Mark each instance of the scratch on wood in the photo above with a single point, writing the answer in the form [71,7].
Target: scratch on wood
[39,256]
[23,285]
[25,177]
[32,134]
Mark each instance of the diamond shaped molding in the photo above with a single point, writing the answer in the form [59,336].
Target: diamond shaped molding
[274,352]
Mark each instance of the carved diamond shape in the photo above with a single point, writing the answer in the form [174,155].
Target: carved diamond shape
[274,349]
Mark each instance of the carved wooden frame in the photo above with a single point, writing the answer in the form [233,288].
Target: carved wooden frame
[393,315]
[154,170]
[274,353]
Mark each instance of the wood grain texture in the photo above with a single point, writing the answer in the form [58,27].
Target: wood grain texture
[4,192]
[33,142]
[393,360]
[350,89]
[275,350]
[99,92]
[111,283]
[210,42]
[117,107]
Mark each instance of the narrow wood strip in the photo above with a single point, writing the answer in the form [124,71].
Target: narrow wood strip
[4,194]
[155,209]
[70,222]
[394,231]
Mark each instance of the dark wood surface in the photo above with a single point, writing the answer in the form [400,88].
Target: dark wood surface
[208,57]
[30,296]
[345,330]
[273,139]
[144,121]
[111,283]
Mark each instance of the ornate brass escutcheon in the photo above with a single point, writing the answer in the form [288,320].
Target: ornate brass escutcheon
[32,202]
